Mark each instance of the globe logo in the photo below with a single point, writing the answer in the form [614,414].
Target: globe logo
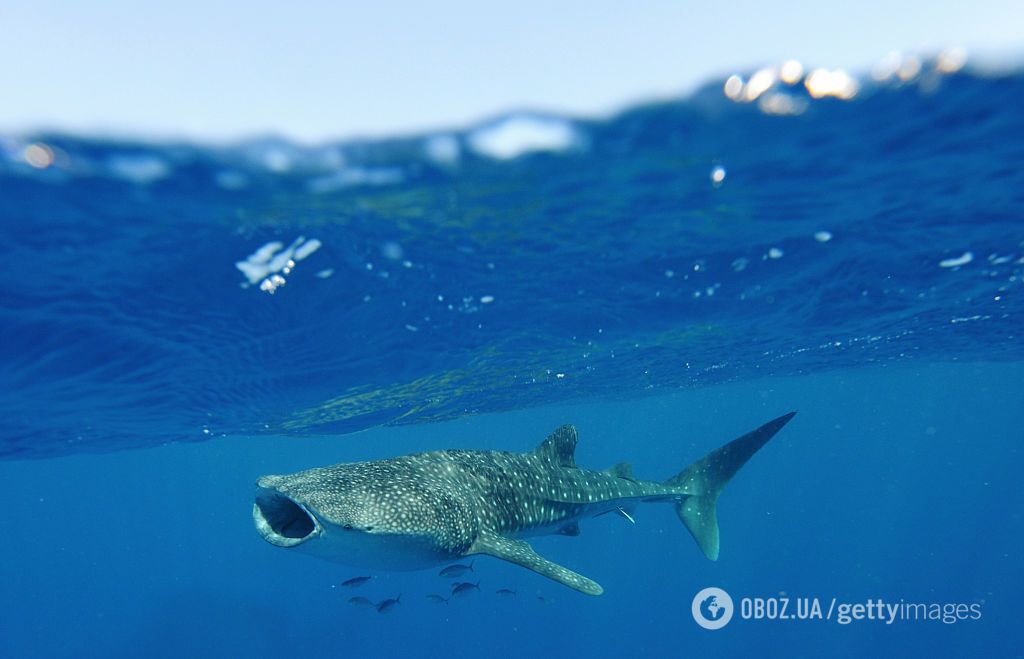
[712,608]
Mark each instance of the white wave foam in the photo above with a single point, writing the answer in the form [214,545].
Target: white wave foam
[517,135]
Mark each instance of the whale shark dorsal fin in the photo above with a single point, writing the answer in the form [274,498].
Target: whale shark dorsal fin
[521,553]
[559,447]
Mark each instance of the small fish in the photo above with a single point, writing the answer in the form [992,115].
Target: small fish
[543,600]
[456,570]
[361,601]
[437,599]
[465,588]
[505,592]
[355,582]
[387,605]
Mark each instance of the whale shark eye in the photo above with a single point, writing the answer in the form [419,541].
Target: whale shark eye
[347,527]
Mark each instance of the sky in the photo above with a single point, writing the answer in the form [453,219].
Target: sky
[320,70]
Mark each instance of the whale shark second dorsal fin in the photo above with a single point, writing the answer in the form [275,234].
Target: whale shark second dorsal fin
[621,470]
[521,553]
[559,447]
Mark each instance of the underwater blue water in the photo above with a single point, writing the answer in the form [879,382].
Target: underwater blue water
[665,279]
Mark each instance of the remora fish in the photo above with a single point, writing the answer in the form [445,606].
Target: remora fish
[422,510]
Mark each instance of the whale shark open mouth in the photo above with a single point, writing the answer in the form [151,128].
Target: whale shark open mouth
[281,521]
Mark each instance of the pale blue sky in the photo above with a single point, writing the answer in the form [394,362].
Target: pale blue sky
[211,69]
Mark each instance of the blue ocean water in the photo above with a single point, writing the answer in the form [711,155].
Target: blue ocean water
[665,279]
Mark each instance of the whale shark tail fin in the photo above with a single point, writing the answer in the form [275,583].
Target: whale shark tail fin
[703,481]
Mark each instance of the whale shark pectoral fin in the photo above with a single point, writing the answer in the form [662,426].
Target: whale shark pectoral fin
[521,553]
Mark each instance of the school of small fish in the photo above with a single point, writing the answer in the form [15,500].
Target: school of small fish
[459,589]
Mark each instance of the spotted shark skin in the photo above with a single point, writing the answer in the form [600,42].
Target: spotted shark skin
[422,510]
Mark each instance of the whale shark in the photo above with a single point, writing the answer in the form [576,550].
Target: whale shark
[422,510]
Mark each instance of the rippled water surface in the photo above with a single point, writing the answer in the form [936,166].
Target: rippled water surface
[175,292]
